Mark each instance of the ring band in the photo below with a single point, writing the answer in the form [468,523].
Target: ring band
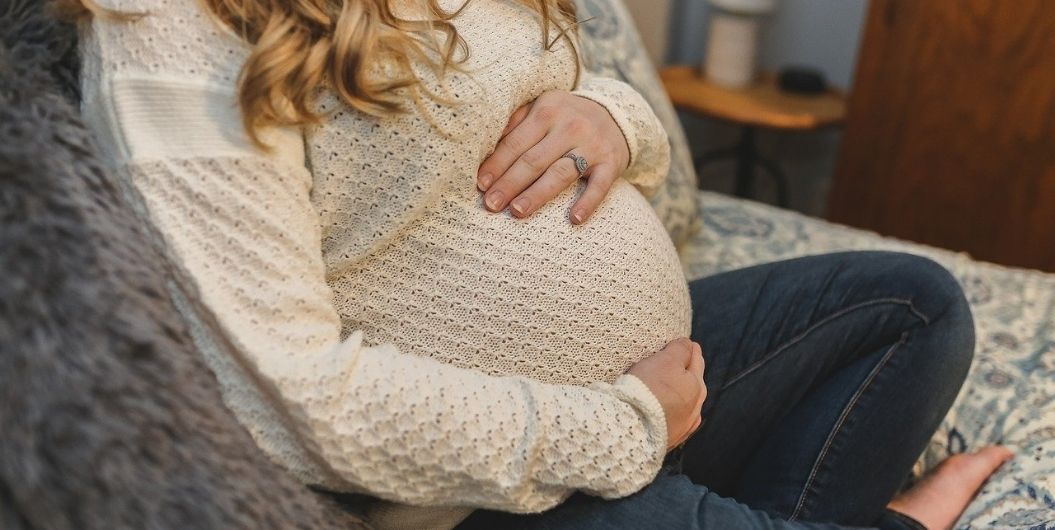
[581,165]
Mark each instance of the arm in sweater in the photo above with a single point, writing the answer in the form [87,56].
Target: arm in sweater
[160,91]
[644,133]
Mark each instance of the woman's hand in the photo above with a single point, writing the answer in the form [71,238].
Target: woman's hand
[528,168]
[675,376]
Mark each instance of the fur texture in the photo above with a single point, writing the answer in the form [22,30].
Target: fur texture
[110,417]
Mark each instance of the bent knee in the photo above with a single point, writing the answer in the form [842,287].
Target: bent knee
[938,296]
[935,294]
[928,284]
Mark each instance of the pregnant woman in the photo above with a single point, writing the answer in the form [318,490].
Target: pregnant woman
[423,227]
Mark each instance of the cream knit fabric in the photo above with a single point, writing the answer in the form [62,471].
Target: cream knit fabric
[353,256]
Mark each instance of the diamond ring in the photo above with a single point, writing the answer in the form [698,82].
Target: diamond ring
[581,165]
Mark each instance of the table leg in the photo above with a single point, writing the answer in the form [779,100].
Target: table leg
[746,160]
[715,155]
[745,153]
[780,178]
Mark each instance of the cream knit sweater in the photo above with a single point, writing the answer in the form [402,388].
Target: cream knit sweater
[396,338]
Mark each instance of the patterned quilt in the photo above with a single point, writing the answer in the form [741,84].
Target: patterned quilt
[1009,396]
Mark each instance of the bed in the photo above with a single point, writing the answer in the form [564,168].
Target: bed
[1009,396]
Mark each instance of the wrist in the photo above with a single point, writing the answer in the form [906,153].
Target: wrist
[601,100]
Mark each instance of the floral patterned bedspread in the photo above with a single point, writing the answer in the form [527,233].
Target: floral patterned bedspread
[1009,396]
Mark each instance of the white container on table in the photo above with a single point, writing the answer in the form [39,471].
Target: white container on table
[732,42]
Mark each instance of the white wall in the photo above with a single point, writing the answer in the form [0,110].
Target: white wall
[652,17]
[820,33]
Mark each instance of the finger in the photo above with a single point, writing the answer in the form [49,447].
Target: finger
[511,147]
[688,432]
[484,178]
[696,425]
[699,389]
[696,361]
[682,438]
[680,351]
[556,179]
[517,117]
[599,183]
[525,170]
[702,398]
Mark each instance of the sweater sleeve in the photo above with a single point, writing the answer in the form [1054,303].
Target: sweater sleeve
[644,133]
[160,94]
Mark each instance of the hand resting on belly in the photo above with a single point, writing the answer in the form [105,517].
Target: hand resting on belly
[529,168]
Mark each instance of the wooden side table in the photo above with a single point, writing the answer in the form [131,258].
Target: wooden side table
[762,105]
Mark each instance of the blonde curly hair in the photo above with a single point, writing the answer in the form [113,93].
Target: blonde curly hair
[300,45]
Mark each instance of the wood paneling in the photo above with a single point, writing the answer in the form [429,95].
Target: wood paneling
[950,138]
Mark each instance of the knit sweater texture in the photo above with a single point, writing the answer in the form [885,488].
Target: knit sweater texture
[395,338]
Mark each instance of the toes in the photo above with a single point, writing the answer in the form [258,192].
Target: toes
[976,467]
[997,452]
[988,459]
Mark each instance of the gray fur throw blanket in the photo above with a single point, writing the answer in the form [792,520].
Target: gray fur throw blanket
[109,418]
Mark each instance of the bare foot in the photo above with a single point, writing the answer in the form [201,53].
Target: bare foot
[942,496]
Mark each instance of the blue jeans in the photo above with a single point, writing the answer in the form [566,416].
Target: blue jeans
[827,375]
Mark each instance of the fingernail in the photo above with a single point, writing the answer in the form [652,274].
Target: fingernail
[519,206]
[577,216]
[493,200]
[485,181]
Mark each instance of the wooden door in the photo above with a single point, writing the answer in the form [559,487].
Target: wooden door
[950,137]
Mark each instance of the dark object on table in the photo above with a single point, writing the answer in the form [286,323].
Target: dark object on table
[760,106]
[804,81]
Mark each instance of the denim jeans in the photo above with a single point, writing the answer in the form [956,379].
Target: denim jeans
[826,375]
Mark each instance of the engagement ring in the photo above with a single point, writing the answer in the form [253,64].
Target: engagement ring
[580,162]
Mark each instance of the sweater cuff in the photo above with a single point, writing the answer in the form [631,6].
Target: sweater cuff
[631,390]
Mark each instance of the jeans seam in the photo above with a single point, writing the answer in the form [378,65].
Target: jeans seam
[826,320]
[806,488]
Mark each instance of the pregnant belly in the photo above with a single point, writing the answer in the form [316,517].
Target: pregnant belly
[538,297]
